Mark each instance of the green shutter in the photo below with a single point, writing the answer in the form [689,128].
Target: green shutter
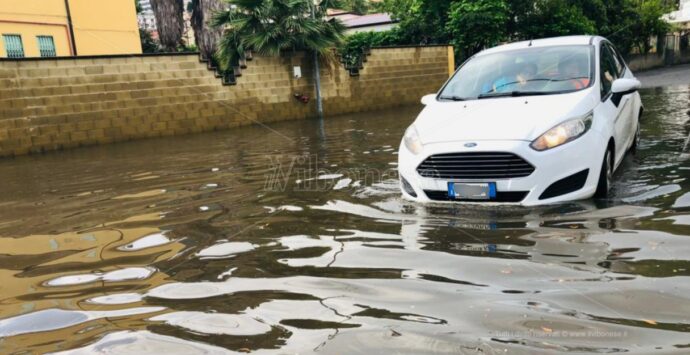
[13,46]
[46,46]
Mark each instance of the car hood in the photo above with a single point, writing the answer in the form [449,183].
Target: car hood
[507,118]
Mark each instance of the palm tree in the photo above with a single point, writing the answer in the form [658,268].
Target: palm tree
[271,26]
[169,22]
[207,37]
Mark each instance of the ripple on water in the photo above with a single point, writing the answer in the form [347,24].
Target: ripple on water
[126,274]
[54,319]
[140,342]
[682,201]
[226,250]
[656,192]
[146,242]
[214,323]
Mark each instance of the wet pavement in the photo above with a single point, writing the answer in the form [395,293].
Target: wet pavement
[296,241]
[666,76]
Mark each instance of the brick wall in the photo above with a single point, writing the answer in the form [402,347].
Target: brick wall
[53,104]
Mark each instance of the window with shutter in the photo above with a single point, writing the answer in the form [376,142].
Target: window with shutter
[46,46]
[13,46]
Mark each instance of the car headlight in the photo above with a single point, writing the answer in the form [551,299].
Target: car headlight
[563,133]
[412,141]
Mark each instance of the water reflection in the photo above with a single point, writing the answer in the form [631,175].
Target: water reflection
[247,241]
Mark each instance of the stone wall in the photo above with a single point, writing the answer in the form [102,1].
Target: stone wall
[52,104]
[639,62]
[673,51]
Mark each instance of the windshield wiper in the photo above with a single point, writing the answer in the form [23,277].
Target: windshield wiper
[514,94]
[568,79]
[453,98]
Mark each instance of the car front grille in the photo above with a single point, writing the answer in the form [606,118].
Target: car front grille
[475,165]
[501,196]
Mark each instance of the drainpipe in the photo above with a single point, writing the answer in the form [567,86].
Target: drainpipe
[71,28]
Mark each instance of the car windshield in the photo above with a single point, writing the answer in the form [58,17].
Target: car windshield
[522,72]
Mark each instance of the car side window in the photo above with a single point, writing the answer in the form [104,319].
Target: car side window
[617,60]
[607,70]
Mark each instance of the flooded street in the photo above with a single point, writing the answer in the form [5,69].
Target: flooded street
[294,239]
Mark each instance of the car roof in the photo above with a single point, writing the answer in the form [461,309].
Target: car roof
[544,42]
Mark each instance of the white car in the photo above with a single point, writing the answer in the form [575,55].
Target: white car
[530,123]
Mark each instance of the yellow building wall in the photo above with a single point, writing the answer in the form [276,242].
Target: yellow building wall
[105,27]
[101,27]
[30,42]
[31,18]
[34,10]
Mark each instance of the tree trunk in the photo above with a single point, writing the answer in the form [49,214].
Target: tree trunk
[169,22]
[206,37]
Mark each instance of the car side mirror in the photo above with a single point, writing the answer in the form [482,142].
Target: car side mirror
[428,99]
[622,87]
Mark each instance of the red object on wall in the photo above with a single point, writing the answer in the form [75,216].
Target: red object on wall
[301,97]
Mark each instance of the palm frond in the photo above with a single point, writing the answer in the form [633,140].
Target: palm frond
[270,26]
[222,18]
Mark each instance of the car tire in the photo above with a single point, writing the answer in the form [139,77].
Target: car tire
[636,141]
[605,176]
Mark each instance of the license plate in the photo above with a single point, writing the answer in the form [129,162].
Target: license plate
[471,191]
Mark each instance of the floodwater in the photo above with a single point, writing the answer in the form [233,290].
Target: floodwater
[294,239]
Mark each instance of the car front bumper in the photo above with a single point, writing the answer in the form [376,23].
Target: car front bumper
[584,153]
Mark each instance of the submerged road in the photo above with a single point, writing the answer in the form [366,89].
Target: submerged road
[668,76]
[298,242]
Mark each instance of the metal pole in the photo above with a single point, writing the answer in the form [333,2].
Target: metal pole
[317,76]
[317,73]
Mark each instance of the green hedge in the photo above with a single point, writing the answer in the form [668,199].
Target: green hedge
[353,50]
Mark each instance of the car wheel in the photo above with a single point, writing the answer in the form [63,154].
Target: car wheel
[605,176]
[636,141]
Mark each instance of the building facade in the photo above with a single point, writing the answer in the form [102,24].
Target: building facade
[146,18]
[355,23]
[60,28]
[681,17]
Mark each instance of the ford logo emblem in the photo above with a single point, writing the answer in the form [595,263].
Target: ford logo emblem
[470,145]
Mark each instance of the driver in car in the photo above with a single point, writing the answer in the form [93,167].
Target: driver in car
[526,74]
[573,74]
[512,82]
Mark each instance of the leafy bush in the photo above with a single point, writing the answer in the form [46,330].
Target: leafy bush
[352,50]
[421,21]
[472,25]
[555,18]
[476,24]
[148,44]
